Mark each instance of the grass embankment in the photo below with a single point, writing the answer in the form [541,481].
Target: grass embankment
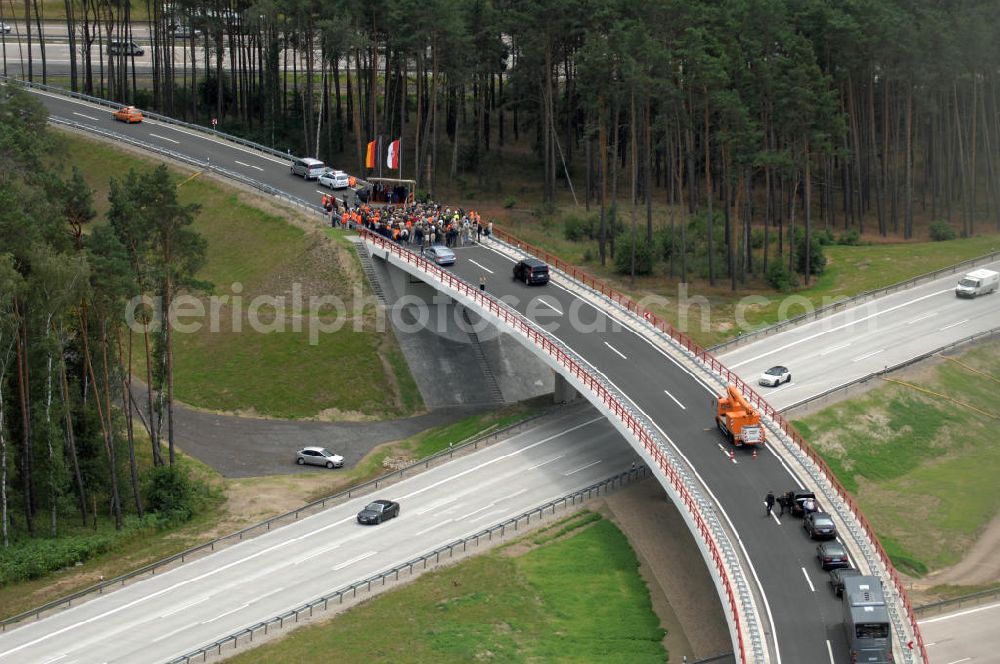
[570,593]
[354,372]
[228,506]
[923,468]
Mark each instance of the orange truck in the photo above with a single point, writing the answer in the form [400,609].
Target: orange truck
[737,420]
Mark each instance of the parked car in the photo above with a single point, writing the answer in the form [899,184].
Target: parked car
[378,511]
[334,179]
[832,555]
[837,577]
[319,456]
[4,28]
[307,167]
[125,48]
[129,114]
[440,254]
[819,525]
[775,376]
[531,271]
[800,502]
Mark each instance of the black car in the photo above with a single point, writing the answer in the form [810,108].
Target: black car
[378,511]
[800,502]
[819,525]
[837,577]
[531,271]
[832,555]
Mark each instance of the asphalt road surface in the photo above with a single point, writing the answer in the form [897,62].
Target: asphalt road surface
[967,635]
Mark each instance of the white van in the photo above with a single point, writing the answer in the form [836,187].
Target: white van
[307,167]
[979,282]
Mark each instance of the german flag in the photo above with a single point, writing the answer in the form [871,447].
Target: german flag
[370,156]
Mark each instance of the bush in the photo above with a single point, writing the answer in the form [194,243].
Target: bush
[168,492]
[623,254]
[509,202]
[779,277]
[422,196]
[941,231]
[817,260]
[577,228]
[825,238]
[851,238]
[757,238]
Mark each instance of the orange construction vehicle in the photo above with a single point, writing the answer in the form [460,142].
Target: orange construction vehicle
[737,420]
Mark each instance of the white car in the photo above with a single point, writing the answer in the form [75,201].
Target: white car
[319,456]
[775,376]
[4,28]
[335,180]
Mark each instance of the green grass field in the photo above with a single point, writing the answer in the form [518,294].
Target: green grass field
[923,468]
[575,598]
[357,371]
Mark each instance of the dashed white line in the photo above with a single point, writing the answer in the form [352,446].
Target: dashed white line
[436,525]
[176,631]
[867,355]
[834,349]
[355,559]
[164,138]
[481,266]
[959,661]
[616,351]
[54,659]
[948,327]
[829,651]
[539,465]
[180,608]
[89,117]
[573,472]
[808,580]
[299,561]
[683,407]
[550,306]
[930,314]
[223,615]
[248,165]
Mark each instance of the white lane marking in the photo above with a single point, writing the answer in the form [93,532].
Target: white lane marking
[829,651]
[489,516]
[273,592]
[491,505]
[960,613]
[501,458]
[176,631]
[54,659]
[839,327]
[959,661]
[775,517]
[481,266]
[616,351]
[89,117]
[178,609]
[808,580]
[574,472]
[539,465]
[834,349]
[550,306]
[774,391]
[164,138]
[355,559]
[948,327]
[436,504]
[319,552]
[683,407]
[867,355]
[930,314]
[223,615]
[241,163]
[435,526]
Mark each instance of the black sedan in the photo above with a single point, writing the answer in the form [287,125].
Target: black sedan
[832,555]
[378,511]
[819,525]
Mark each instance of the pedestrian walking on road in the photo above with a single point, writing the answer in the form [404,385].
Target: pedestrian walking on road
[769,501]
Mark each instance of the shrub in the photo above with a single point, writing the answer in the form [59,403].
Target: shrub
[757,238]
[623,254]
[825,238]
[779,276]
[509,202]
[817,260]
[577,228]
[422,196]
[850,238]
[168,492]
[941,231]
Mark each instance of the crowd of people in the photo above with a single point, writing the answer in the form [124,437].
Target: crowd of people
[418,224]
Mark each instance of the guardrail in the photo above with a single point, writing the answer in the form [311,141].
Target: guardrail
[500,529]
[686,343]
[719,549]
[941,606]
[972,338]
[474,443]
[840,305]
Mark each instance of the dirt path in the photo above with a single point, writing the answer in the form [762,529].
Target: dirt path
[980,566]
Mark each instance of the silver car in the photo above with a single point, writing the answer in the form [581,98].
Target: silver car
[319,456]
[440,254]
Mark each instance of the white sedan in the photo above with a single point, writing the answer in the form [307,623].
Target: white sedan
[335,180]
[775,376]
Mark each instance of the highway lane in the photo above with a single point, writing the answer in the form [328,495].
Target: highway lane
[851,344]
[966,635]
[205,599]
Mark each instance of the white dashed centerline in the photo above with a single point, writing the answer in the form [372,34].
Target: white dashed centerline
[573,472]
[539,465]
[834,349]
[248,165]
[867,355]
[948,327]
[355,559]
[616,351]
[683,407]
[550,306]
[808,580]
[164,138]
[89,117]
[929,314]
[480,266]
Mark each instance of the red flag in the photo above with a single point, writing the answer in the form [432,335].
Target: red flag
[370,156]
[392,157]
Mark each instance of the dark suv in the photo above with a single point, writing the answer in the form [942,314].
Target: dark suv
[531,271]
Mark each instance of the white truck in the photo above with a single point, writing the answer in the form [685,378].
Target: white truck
[978,282]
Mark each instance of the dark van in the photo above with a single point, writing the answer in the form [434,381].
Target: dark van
[531,271]
[125,48]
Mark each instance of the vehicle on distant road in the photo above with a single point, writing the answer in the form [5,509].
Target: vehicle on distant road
[832,555]
[775,376]
[334,179]
[4,28]
[307,167]
[819,525]
[837,577]
[978,282]
[378,511]
[318,456]
[129,114]
[125,48]
[531,271]
[440,254]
